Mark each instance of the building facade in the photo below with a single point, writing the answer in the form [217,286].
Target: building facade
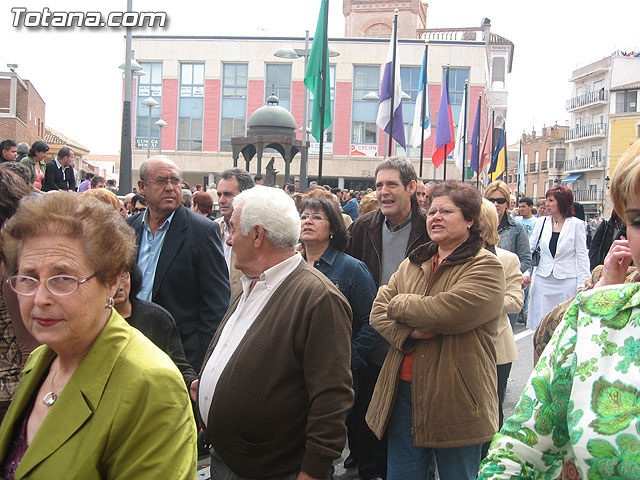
[21,109]
[208,87]
[603,111]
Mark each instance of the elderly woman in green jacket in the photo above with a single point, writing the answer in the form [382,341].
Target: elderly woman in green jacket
[97,400]
[440,312]
[581,401]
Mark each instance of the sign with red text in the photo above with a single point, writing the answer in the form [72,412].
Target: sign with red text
[364,150]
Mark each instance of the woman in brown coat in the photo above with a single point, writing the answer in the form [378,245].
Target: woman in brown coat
[440,312]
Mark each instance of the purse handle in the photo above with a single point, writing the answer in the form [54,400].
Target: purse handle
[540,235]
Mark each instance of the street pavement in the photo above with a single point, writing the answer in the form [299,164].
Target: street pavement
[518,377]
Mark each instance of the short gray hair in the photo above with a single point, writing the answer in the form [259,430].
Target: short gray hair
[272,209]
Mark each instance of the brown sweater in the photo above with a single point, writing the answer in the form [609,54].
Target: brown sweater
[281,402]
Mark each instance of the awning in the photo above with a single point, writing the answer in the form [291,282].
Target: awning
[571,178]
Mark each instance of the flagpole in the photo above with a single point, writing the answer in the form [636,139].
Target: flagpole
[324,74]
[424,102]
[478,146]
[393,77]
[464,132]
[506,157]
[493,118]
[444,175]
[519,172]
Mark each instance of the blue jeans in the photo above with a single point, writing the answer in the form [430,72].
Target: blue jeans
[407,462]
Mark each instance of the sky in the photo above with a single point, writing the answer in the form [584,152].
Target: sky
[76,72]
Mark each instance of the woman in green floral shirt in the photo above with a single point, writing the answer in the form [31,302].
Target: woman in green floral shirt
[582,402]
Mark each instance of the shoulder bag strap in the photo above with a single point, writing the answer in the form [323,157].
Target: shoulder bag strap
[541,230]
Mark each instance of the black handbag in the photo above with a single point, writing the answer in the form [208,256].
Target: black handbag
[535,256]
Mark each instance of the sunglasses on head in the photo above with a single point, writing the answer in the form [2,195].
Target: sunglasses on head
[499,201]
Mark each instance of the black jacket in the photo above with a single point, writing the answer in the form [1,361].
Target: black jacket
[365,239]
[191,279]
[55,180]
[158,326]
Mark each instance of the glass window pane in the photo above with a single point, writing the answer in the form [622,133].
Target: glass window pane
[198,74]
[371,130]
[187,73]
[156,72]
[227,128]
[196,128]
[238,127]
[183,128]
[183,144]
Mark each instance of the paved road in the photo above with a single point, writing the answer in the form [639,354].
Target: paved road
[520,372]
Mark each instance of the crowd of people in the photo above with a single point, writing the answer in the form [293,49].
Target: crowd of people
[267,328]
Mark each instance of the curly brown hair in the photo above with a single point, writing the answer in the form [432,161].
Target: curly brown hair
[465,197]
[109,243]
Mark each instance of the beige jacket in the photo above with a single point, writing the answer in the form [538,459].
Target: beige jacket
[454,373]
[513,301]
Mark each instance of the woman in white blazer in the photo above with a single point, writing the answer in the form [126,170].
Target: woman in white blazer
[564,259]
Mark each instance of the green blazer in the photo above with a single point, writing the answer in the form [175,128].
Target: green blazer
[125,413]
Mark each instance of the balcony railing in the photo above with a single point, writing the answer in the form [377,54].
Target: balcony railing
[585,131]
[587,99]
[583,163]
[543,167]
[587,195]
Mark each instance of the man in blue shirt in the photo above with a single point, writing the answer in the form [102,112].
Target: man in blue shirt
[352,206]
[180,256]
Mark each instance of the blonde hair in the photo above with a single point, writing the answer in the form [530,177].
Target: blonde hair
[625,180]
[498,186]
[489,220]
[103,195]
[369,203]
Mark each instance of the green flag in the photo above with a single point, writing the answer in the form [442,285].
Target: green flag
[316,72]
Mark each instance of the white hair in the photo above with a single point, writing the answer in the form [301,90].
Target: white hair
[272,209]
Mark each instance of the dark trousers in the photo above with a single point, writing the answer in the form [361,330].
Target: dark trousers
[503,375]
[368,451]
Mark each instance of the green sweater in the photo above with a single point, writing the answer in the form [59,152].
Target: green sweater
[582,402]
[281,402]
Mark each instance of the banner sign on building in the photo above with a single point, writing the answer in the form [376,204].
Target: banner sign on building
[141,143]
[364,150]
[314,148]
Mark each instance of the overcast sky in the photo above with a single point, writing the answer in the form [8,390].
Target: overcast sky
[76,70]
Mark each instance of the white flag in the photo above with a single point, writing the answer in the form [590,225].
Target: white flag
[458,155]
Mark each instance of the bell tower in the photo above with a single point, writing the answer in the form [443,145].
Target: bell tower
[374,18]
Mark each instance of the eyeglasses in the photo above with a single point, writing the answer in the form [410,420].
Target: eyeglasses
[443,211]
[162,182]
[315,217]
[58,284]
[499,201]
[138,210]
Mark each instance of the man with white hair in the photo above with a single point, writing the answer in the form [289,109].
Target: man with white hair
[276,382]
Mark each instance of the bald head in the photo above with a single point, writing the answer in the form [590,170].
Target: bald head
[160,184]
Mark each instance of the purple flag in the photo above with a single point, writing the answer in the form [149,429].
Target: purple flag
[384,108]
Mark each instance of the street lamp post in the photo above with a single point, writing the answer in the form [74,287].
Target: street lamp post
[294,53]
[149,102]
[161,124]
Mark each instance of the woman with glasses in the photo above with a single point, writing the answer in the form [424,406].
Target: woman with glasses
[440,312]
[513,235]
[98,399]
[564,259]
[324,236]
